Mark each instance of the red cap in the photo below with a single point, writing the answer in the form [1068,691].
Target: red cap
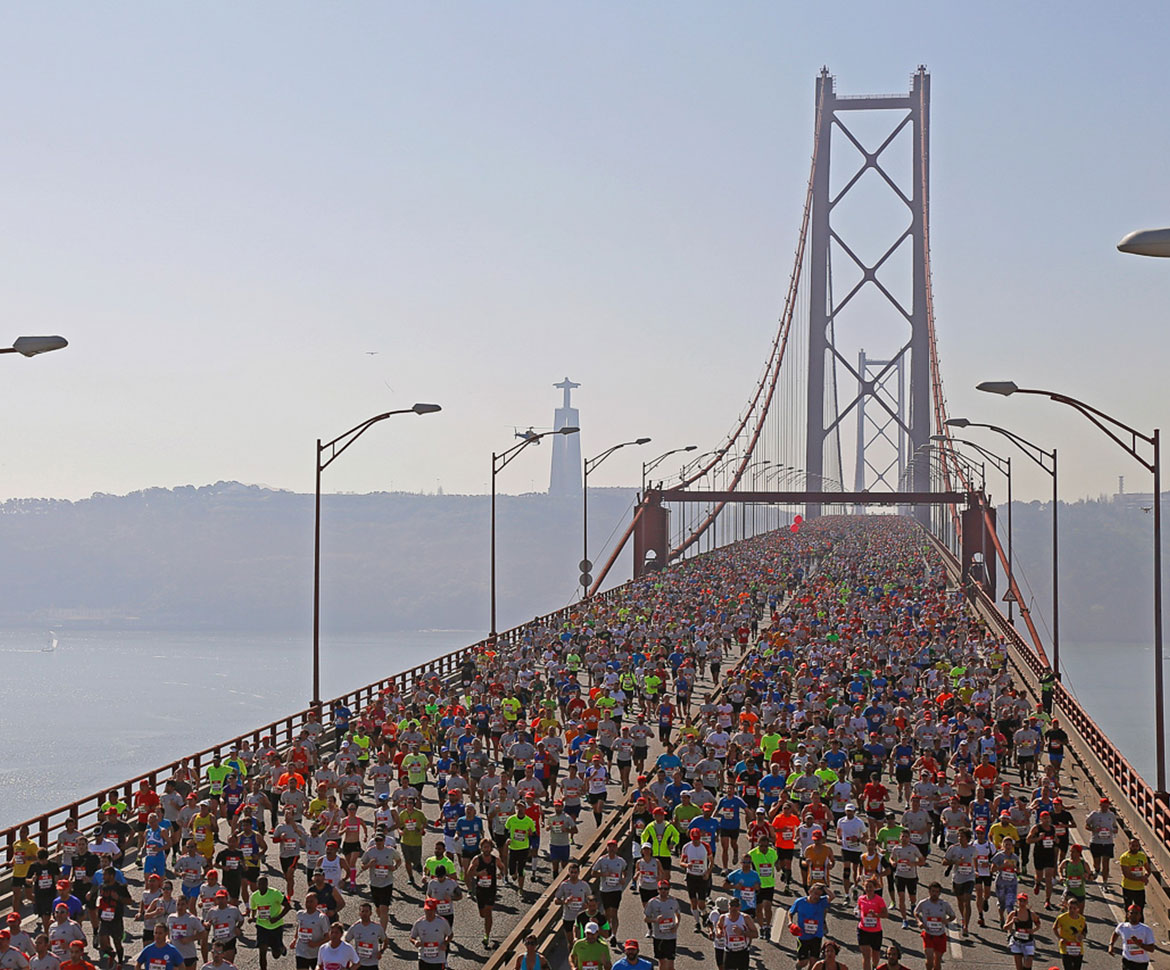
[331,842]
[707,805]
[14,918]
[221,894]
[818,835]
[5,934]
[663,884]
[612,842]
[531,796]
[660,811]
[63,884]
[632,945]
[212,874]
[1104,801]
[431,904]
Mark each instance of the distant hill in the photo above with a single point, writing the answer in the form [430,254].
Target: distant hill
[1106,567]
[239,557]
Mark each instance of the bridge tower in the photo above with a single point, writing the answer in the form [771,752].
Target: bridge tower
[829,367]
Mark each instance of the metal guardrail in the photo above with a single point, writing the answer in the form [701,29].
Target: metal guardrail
[44,828]
[1143,813]
[543,919]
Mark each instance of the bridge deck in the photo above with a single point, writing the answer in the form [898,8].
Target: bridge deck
[984,947]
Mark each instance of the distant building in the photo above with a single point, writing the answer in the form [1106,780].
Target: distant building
[565,476]
[1142,500]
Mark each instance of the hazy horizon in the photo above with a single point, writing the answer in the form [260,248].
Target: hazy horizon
[259,224]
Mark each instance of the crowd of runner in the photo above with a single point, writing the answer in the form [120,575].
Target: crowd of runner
[804,724]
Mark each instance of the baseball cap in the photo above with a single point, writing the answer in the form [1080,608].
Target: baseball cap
[631,945]
[592,928]
[431,904]
[663,884]
[221,894]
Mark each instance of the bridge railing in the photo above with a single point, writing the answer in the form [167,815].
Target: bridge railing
[46,827]
[1141,811]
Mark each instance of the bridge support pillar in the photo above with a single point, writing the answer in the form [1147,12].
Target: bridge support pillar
[979,558]
[651,536]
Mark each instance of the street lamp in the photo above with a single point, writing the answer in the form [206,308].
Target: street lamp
[335,448]
[1004,467]
[31,346]
[649,466]
[499,463]
[754,469]
[1146,242]
[590,465]
[1037,455]
[1119,431]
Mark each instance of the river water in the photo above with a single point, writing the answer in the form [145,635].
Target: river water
[105,705]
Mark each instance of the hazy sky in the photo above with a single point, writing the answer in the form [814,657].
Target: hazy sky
[224,207]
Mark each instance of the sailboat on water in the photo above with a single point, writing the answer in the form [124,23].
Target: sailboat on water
[51,645]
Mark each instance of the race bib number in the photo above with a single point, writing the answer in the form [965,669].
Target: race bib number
[611,884]
[869,922]
[1072,949]
[263,913]
[811,927]
[934,926]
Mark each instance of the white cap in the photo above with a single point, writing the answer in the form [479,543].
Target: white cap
[851,807]
[592,928]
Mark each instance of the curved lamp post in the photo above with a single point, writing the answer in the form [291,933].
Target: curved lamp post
[590,465]
[1004,467]
[1047,461]
[335,449]
[499,463]
[649,466]
[1146,242]
[1129,439]
[31,346]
